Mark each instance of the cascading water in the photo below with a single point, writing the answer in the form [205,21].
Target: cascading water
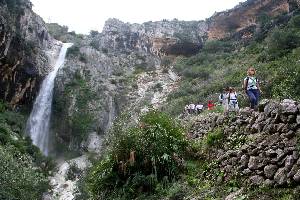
[39,119]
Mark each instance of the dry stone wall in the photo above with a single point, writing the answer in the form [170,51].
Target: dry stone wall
[269,153]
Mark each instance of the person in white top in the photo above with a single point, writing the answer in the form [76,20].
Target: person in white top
[252,88]
[199,108]
[192,108]
[187,109]
[223,98]
[232,101]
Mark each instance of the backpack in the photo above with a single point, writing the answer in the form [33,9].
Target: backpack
[235,95]
[247,80]
[221,97]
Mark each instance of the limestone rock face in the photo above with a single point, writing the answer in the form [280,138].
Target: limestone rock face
[160,38]
[242,19]
[25,52]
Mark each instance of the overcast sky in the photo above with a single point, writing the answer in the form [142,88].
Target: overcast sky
[85,15]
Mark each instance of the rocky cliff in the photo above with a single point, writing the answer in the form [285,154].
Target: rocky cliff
[25,52]
[109,63]
[244,18]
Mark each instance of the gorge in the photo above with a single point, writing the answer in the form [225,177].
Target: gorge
[107,99]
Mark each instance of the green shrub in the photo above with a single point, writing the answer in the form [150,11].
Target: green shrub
[215,46]
[80,122]
[73,172]
[139,157]
[95,44]
[282,41]
[166,61]
[94,33]
[214,137]
[73,51]
[19,177]
[158,87]
[83,58]
[2,106]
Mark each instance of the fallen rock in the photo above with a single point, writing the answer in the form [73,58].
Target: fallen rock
[289,162]
[281,176]
[268,183]
[253,163]
[256,180]
[293,171]
[297,176]
[270,171]
[298,119]
[234,195]
[288,106]
[244,161]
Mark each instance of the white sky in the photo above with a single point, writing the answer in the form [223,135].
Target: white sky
[83,16]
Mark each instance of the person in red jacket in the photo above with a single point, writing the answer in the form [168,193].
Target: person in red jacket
[210,105]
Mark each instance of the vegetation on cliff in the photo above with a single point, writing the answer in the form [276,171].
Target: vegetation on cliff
[274,51]
[23,169]
[139,159]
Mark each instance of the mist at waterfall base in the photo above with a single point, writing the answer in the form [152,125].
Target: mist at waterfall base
[38,123]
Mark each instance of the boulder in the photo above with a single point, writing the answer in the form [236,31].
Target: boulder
[270,171]
[271,107]
[291,119]
[295,155]
[246,171]
[268,183]
[253,163]
[298,119]
[280,154]
[289,134]
[256,180]
[289,161]
[262,104]
[296,177]
[288,106]
[244,161]
[280,176]
[293,171]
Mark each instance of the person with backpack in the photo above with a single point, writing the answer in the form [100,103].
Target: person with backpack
[232,101]
[223,97]
[251,87]
[199,108]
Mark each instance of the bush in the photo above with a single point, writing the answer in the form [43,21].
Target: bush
[73,51]
[139,157]
[166,61]
[94,33]
[19,177]
[95,44]
[215,46]
[214,137]
[282,41]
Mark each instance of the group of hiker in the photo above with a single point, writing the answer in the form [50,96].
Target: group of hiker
[229,97]
[193,108]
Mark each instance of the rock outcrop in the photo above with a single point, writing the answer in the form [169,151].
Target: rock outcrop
[244,18]
[262,146]
[108,64]
[159,38]
[25,52]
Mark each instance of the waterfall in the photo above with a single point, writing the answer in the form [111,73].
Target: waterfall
[39,119]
